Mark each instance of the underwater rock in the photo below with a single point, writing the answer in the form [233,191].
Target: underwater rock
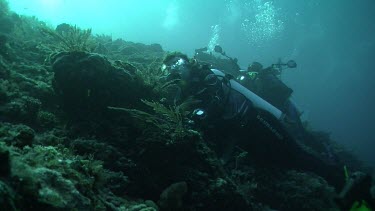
[4,8]
[3,94]
[7,197]
[156,48]
[110,155]
[4,71]
[171,197]
[225,196]
[63,28]
[23,109]
[4,162]
[51,137]
[187,159]
[144,207]
[88,83]
[139,54]
[31,80]
[57,191]
[46,119]
[16,135]
[4,47]
[129,50]
[126,66]
[293,190]
[24,136]
[101,49]
[48,189]
[52,178]
[6,25]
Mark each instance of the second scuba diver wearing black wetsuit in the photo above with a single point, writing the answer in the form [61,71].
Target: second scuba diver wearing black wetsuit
[231,108]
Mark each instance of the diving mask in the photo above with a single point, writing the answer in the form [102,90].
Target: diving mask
[177,68]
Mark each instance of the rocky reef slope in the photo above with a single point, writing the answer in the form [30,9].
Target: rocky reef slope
[82,128]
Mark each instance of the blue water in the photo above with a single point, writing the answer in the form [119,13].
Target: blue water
[332,41]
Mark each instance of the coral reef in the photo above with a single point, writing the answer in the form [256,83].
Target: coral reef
[83,126]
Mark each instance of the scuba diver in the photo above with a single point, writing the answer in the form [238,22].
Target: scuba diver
[226,110]
[218,59]
[356,194]
[266,83]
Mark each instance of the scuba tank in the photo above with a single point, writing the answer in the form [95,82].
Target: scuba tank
[257,101]
[268,115]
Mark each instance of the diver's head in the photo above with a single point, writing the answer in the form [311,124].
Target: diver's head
[255,67]
[177,69]
[177,66]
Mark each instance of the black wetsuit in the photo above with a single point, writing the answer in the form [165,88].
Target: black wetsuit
[231,117]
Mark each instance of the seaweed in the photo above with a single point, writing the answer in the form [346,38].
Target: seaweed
[168,121]
[73,39]
[152,74]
